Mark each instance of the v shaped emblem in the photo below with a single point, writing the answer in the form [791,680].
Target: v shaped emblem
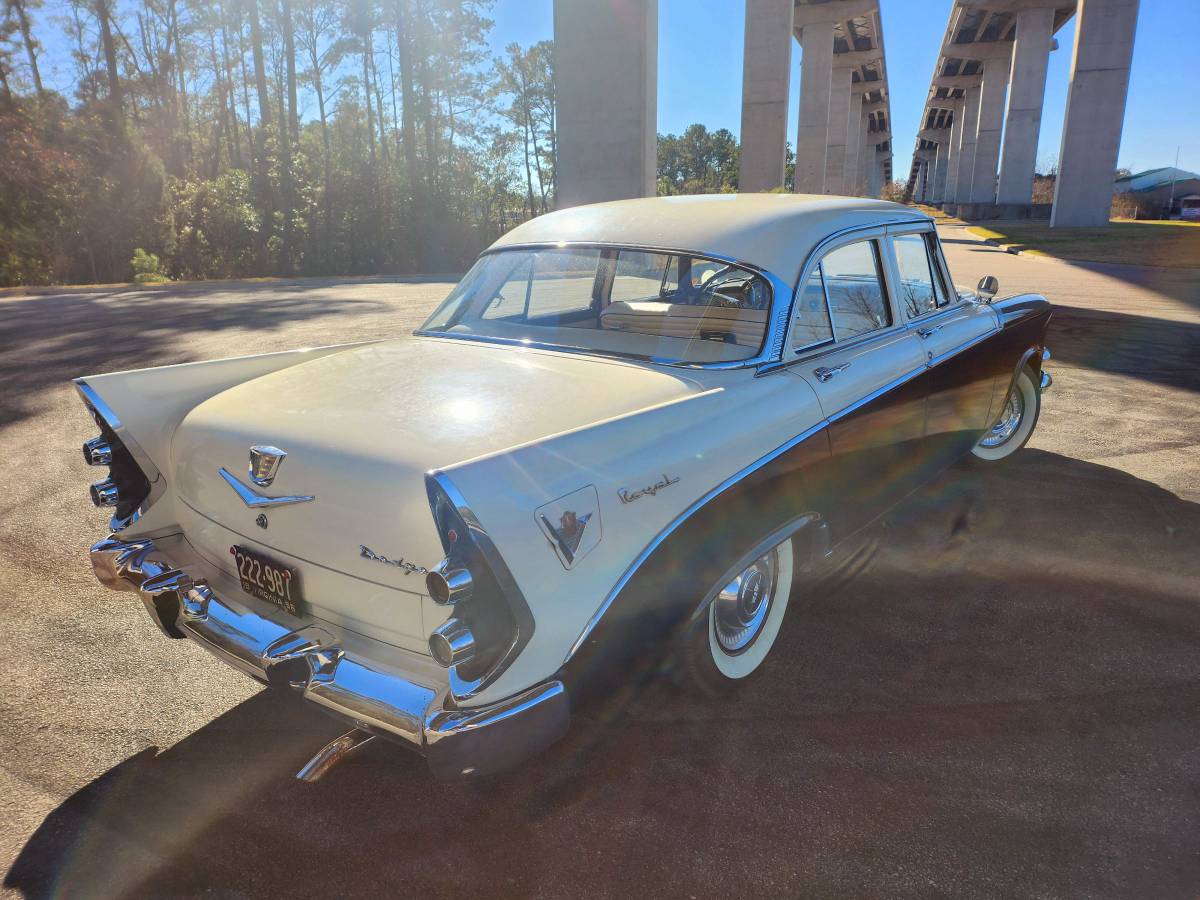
[568,534]
[253,498]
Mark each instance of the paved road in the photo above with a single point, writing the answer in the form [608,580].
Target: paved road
[1000,696]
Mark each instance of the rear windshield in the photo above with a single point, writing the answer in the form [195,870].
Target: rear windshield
[671,306]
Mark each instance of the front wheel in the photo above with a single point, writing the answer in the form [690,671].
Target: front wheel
[729,642]
[1017,419]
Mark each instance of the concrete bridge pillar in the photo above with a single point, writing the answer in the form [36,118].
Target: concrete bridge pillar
[1091,134]
[853,142]
[812,134]
[766,70]
[606,70]
[937,185]
[966,157]
[1026,93]
[987,137]
[875,174]
[839,120]
[953,151]
[866,154]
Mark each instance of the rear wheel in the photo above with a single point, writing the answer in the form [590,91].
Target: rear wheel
[730,640]
[1017,419]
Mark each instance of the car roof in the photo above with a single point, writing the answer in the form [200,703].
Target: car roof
[774,232]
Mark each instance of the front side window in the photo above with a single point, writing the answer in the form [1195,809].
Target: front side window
[670,306]
[810,322]
[854,284]
[920,288]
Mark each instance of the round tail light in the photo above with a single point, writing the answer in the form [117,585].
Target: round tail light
[449,583]
[452,643]
[105,493]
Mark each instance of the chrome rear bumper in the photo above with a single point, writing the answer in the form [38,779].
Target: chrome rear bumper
[377,687]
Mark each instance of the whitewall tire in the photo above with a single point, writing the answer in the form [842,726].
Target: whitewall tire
[1016,421]
[732,638]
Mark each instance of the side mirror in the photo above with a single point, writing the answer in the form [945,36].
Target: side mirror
[988,286]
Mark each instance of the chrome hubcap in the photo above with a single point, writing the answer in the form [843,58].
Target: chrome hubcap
[741,607]
[1014,410]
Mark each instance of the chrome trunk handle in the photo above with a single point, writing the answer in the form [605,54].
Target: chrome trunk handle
[824,373]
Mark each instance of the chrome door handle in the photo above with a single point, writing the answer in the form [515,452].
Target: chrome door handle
[824,373]
[929,332]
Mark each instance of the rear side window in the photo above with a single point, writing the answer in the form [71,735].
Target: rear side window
[854,284]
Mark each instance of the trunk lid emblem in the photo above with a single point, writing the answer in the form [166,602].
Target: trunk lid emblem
[264,463]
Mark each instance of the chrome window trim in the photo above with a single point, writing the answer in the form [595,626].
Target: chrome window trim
[770,348]
[826,245]
[158,484]
[674,524]
[896,261]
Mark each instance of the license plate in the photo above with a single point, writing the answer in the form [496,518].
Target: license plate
[266,579]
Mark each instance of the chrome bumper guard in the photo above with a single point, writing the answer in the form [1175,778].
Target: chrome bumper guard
[330,668]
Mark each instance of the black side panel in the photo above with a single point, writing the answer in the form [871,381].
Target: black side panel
[671,583]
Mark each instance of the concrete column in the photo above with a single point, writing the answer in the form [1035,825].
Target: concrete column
[812,133]
[966,156]
[937,185]
[606,74]
[839,120]
[766,67]
[1026,91]
[987,137]
[953,151]
[874,174]
[1104,31]
[866,155]
[853,142]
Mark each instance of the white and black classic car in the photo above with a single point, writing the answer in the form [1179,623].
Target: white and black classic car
[629,434]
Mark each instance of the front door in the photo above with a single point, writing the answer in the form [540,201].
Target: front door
[952,333]
[868,378]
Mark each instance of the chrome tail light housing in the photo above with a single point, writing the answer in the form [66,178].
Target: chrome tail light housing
[133,482]
[492,622]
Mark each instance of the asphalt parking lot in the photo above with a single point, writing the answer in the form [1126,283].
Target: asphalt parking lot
[998,696]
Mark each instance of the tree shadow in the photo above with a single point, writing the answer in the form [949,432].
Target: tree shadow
[996,693]
[47,340]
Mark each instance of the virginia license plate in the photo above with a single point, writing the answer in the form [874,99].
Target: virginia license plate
[266,579]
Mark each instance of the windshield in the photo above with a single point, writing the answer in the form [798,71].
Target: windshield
[642,303]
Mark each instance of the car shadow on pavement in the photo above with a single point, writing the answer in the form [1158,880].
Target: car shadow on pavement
[1164,351]
[995,693]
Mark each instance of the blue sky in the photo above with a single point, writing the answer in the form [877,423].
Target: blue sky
[700,72]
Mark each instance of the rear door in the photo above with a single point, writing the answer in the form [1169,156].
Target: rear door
[865,368]
[953,337]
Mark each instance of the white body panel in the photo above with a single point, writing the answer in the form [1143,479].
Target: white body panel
[514,429]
